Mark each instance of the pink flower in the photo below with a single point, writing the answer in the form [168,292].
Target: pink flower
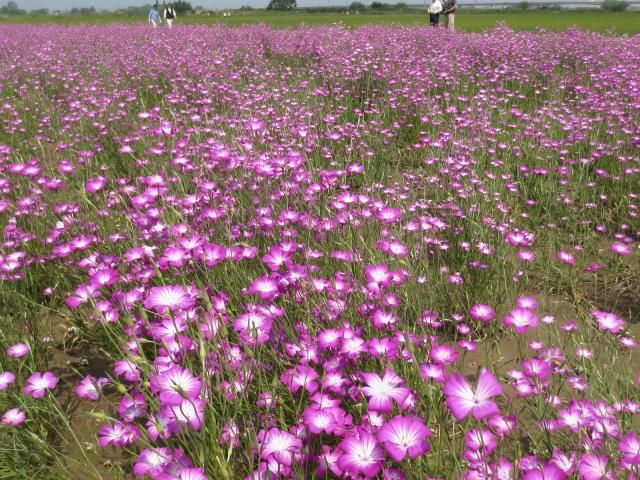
[301,376]
[18,350]
[481,440]
[96,184]
[280,445]
[566,463]
[39,383]
[265,287]
[361,453]
[389,215]
[482,312]
[502,425]
[548,472]
[6,379]
[184,473]
[536,368]
[527,302]
[403,436]
[172,297]
[118,434]
[443,355]
[90,387]
[429,371]
[325,420]
[521,319]
[189,412]
[381,391]
[608,321]
[152,462]
[566,257]
[13,417]
[594,467]
[526,256]
[175,385]
[621,248]
[383,319]
[378,274]
[162,425]
[630,446]
[462,400]
[128,370]
[254,327]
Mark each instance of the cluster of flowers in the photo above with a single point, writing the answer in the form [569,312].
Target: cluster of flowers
[265,285]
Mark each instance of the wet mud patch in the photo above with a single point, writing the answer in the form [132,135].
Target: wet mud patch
[71,362]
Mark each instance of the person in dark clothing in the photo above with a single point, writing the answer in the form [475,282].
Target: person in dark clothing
[169,15]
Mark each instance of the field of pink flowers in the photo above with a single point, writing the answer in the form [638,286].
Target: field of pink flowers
[385,252]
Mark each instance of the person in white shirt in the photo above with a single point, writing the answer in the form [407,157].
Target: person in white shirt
[169,15]
[434,12]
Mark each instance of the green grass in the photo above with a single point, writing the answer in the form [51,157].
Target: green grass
[467,20]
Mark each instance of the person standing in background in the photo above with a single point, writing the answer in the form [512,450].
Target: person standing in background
[450,7]
[154,16]
[169,15]
[434,12]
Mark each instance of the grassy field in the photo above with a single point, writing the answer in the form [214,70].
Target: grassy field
[319,252]
[467,20]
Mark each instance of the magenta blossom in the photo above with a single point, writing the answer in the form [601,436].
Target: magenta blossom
[184,473]
[521,319]
[594,467]
[152,462]
[403,436]
[621,248]
[171,297]
[90,387]
[265,287]
[13,417]
[280,445]
[361,453]
[39,383]
[482,312]
[18,350]
[462,400]
[630,446]
[254,327]
[608,321]
[548,472]
[381,391]
[118,434]
[175,385]
[443,355]
[6,379]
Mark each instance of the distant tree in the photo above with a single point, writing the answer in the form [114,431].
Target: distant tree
[11,8]
[522,6]
[386,6]
[615,5]
[282,5]
[182,7]
[357,6]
